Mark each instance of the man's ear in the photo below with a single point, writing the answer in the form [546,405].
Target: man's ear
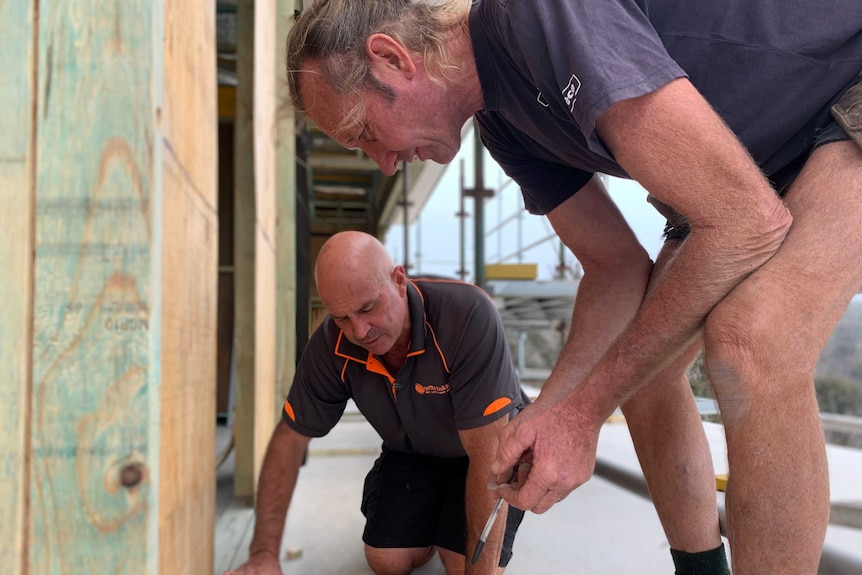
[399,276]
[388,57]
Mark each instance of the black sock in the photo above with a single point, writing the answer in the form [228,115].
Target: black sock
[712,562]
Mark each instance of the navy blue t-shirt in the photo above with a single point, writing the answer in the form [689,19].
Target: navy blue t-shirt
[549,69]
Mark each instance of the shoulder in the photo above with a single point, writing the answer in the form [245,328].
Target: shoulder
[325,337]
[321,346]
[450,295]
[458,313]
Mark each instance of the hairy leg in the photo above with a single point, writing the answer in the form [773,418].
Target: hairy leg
[762,343]
[455,562]
[671,445]
[397,561]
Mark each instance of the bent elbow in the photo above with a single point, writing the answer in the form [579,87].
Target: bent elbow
[776,227]
[766,237]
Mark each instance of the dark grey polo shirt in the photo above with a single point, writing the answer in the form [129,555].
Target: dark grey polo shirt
[550,68]
[458,374]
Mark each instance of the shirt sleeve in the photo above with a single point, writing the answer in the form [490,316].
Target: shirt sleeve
[544,184]
[483,382]
[318,395]
[588,55]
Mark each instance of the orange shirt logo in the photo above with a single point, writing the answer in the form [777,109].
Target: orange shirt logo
[431,389]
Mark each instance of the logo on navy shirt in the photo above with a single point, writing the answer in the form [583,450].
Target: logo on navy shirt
[570,92]
[541,99]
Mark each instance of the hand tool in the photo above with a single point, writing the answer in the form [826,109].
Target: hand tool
[490,523]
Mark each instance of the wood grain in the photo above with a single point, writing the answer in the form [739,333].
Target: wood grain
[16,247]
[91,476]
[284,134]
[123,338]
[265,248]
[189,287]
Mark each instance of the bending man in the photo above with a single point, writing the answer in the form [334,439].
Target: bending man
[742,121]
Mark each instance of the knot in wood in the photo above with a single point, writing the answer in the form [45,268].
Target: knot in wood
[131,475]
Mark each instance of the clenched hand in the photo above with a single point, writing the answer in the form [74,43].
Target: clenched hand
[558,442]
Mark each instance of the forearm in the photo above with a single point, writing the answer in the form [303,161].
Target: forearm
[616,273]
[706,268]
[480,444]
[606,303]
[479,505]
[277,481]
[737,223]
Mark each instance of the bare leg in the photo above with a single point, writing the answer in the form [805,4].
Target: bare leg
[668,436]
[674,454]
[762,343]
[399,561]
[455,563]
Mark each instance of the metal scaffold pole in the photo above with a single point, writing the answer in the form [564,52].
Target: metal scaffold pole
[461,214]
[479,193]
[405,202]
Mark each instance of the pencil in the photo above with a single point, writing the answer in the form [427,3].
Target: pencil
[484,536]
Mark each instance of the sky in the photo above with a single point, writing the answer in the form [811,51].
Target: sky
[433,239]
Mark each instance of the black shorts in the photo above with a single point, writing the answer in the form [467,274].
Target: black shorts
[418,501]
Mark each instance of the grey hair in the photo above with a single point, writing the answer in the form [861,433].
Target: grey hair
[333,33]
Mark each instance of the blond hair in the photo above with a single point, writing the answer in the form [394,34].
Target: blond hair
[332,33]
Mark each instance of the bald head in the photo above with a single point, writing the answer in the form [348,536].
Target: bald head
[364,292]
[352,258]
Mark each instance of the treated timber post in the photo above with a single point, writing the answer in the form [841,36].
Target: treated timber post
[109,233]
[283,131]
[263,115]
[265,259]
[17,181]
[188,274]
[247,458]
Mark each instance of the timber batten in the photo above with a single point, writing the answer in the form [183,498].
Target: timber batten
[109,401]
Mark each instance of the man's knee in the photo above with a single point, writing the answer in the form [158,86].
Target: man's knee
[745,353]
[397,561]
[453,562]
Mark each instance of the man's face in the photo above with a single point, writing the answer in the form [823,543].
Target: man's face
[371,315]
[417,123]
